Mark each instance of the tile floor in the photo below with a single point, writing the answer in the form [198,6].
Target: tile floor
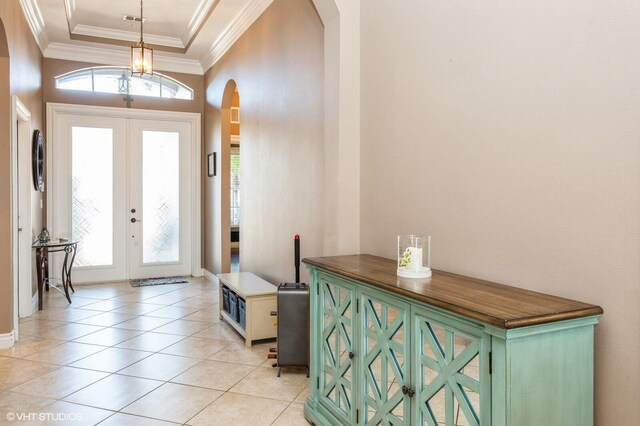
[142,356]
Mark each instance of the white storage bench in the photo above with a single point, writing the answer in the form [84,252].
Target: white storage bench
[259,298]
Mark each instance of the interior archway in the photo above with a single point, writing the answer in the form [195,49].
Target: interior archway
[225,175]
[234,183]
[340,233]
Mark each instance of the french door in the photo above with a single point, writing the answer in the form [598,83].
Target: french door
[123,189]
[159,199]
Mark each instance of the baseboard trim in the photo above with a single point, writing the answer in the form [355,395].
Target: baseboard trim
[6,340]
[210,276]
[34,303]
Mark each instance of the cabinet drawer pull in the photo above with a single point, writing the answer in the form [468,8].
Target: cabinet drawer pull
[351,355]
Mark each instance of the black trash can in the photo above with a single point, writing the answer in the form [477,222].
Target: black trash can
[293,325]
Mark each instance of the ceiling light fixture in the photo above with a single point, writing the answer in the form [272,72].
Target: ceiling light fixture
[141,53]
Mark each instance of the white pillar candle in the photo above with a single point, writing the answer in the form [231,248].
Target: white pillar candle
[416,258]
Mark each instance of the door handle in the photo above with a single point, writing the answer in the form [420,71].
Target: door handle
[19,229]
[134,220]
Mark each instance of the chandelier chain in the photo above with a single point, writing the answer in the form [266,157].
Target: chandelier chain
[141,21]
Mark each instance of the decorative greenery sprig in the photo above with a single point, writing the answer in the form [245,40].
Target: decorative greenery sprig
[406,258]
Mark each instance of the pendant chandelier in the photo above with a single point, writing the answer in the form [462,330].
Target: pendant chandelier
[141,53]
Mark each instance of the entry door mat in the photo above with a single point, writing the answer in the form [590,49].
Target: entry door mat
[158,281]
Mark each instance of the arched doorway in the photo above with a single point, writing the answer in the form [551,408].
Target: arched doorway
[341,195]
[230,178]
[234,182]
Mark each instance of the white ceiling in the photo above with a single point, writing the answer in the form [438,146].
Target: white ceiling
[187,35]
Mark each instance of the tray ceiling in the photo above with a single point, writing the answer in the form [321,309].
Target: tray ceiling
[187,35]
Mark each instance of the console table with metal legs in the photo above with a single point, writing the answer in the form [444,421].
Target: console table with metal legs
[43,250]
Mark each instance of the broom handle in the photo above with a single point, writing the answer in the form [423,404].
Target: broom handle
[296,249]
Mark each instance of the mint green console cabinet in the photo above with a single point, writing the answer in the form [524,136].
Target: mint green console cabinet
[385,356]
[450,371]
[335,305]
[448,350]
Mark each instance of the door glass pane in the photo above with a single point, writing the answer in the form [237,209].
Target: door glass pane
[160,196]
[92,195]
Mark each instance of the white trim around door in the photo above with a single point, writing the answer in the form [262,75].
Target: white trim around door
[21,190]
[56,111]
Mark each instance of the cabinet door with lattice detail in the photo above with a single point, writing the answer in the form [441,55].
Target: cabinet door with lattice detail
[336,359]
[385,360]
[450,371]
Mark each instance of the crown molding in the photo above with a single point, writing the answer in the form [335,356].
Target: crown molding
[70,10]
[87,30]
[121,56]
[243,20]
[197,20]
[36,23]
[171,63]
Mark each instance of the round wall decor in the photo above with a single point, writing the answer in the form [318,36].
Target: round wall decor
[37,159]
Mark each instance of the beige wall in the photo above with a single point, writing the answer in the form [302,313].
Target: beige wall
[509,131]
[55,67]
[24,80]
[278,67]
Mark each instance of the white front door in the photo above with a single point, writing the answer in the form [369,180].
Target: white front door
[90,201]
[159,199]
[123,188]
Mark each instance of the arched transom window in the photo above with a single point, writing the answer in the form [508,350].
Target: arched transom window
[120,80]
